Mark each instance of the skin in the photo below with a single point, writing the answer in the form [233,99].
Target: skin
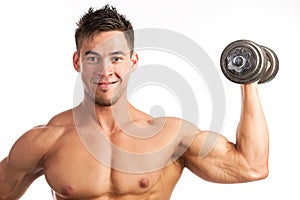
[74,170]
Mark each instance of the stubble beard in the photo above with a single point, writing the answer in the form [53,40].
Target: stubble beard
[106,102]
[103,101]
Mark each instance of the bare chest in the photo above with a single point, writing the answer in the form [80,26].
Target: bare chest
[74,170]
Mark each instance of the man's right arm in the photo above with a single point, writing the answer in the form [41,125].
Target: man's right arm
[23,164]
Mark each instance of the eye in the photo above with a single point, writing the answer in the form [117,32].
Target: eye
[92,60]
[116,59]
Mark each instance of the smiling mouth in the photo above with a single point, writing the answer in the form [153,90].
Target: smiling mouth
[105,84]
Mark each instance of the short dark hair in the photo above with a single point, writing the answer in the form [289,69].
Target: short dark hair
[104,19]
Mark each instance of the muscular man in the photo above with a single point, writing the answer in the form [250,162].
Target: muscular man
[105,148]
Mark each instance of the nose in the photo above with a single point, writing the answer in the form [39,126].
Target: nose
[105,70]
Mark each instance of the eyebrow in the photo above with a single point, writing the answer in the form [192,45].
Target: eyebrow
[91,52]
[111,54]
[117,53]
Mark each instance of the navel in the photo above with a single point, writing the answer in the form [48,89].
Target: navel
[144,183]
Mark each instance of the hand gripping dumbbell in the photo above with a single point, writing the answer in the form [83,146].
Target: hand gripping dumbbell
[244,61]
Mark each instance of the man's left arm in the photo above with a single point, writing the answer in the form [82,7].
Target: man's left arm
[226,162]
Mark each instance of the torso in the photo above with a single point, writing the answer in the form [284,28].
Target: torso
[74,172]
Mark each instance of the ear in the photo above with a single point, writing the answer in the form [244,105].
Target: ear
[76,62]
[134,61]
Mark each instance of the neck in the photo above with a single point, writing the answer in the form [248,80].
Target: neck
[109,118]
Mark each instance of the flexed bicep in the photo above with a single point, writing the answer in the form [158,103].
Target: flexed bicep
[212,157]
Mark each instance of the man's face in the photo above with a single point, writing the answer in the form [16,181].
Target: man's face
[105,63]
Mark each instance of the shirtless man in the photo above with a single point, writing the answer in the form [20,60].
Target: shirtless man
[105,148]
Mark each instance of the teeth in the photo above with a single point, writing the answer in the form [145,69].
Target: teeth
[105,83]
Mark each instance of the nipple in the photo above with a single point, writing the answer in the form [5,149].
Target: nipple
[144,183]
[66,191]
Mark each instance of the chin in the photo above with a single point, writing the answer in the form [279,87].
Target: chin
[104,104]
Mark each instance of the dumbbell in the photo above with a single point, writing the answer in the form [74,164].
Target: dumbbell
[244,61]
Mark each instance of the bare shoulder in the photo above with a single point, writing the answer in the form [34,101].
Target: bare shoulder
[27,152]
[177,126]
[25,161]
[41,137]
[64,118]
[30,148]
[181,132]
[38,138]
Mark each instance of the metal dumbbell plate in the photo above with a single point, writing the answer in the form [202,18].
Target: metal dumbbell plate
[243,62]
[272,65]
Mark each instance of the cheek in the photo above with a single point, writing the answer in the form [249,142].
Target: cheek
[88,71]
[122,70]
[86,76]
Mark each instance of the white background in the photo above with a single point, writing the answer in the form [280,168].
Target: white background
[37,77]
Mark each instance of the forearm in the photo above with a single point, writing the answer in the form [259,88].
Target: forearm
[252,132]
